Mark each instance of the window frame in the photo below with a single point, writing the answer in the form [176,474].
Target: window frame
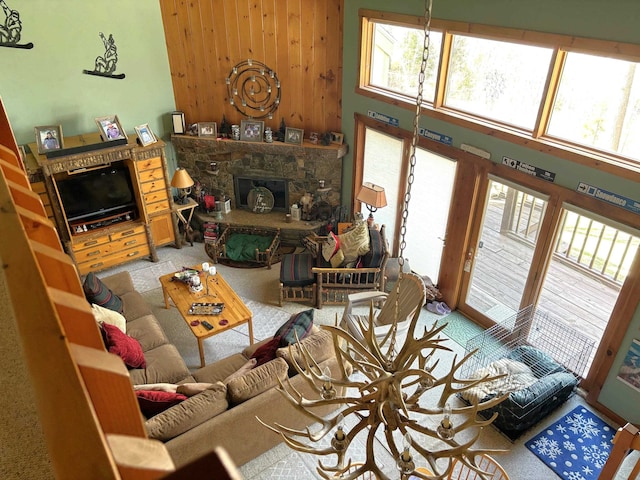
[536,138]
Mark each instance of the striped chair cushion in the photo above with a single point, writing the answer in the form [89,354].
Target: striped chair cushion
[295,270]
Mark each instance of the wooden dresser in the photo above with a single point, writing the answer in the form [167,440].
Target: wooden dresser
[123,237]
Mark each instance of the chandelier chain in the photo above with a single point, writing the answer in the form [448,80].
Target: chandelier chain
[416,127]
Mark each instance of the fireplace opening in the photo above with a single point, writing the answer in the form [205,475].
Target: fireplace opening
[277,186]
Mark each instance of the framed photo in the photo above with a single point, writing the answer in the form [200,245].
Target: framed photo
[49,137]
[337,138]
[110,128]
[314,138]
[207,129]
[145,135]
[251,130]
[293,135]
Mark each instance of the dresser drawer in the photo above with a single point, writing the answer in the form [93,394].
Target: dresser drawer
[91,244]
[149,163]
[128,242]
[153,186]
[112,260]
[157,207]
[153,197]
[127,233]
[152,174]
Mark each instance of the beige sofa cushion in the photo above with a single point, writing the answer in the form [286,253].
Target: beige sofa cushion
[147,331]
[188,414]
[319,345]
[164,365]
[257,381]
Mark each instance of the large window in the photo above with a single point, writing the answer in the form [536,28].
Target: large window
[598,104]
[497,80]
[526,87]
[396,59]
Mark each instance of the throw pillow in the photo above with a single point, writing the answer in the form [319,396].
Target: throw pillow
[337,259]
[331,246]
[354,242]
[98,293]
[266,352]
[105,315]
[126,347]
[153,402]
[299,323]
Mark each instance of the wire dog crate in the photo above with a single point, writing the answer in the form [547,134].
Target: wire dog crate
[554,354]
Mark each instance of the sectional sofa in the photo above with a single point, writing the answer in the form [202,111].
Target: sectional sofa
[225,396]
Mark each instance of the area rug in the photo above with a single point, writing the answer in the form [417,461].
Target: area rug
[459,328]
[147,278]
[575,447]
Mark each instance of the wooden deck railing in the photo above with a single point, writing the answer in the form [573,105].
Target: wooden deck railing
[601,250]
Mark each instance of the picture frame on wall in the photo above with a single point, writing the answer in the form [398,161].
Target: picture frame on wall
[48,138]
[110,128]
[207,129]
[251,130]
[178,122]
[293,135]
[145,135]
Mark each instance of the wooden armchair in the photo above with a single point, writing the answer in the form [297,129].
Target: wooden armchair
[334,285]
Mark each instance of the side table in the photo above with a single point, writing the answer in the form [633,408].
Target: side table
[181,210]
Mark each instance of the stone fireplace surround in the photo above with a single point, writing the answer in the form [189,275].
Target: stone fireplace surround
[302,166]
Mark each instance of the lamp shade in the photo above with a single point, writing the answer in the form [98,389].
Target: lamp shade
[181,179]
[372,195]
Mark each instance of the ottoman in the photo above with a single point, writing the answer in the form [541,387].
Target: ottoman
[297,280]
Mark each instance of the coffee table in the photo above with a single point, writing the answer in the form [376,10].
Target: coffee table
[235,311]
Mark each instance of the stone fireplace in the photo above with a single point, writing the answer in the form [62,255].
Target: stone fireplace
[225,167]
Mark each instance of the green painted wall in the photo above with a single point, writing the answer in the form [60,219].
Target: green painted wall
[46,86]
[611,20]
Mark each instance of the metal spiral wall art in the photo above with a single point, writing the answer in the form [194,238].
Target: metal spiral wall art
[254,89]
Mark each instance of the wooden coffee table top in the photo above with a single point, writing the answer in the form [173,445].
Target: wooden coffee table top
[235,311]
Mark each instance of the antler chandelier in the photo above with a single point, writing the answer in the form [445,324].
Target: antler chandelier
[386,392]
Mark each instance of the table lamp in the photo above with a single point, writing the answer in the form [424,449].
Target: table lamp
[183,182]
[373,197]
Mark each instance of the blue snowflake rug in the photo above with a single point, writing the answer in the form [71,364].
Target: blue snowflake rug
[576,446]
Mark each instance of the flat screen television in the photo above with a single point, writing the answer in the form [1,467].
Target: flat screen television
[97,194]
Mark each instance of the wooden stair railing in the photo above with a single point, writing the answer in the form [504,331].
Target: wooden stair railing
[87,407]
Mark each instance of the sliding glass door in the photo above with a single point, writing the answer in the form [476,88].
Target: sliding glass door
[500,261]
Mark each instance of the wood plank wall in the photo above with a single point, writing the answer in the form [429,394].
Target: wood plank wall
[301,40]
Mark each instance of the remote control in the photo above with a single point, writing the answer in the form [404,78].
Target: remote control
[207,325]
